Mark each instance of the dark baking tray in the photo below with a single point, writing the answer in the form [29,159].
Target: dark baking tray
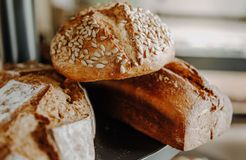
[117,141]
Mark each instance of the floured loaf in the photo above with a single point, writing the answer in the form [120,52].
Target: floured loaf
[43,117]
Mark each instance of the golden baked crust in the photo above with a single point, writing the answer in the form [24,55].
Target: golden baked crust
[112,42]
[175,105]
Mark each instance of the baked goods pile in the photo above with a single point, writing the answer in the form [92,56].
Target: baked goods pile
[128,55]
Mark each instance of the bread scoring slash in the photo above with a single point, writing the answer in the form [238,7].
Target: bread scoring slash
[115,41]
[44,117]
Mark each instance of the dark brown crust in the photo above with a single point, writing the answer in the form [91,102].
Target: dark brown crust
[4,151]
[140,115]
[176,95]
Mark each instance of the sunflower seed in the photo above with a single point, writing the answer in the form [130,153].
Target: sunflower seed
[80,41]
[102,47]
[108,53]
[88,38]
[86,51]
[96,54]
[86,57]
[70,44]
[94,58]
[102,53]
[135,64]
[103,38]
[115,50]
[122,69]
[83,62]
[94,45]
[104,62]
[70,61]
[124,61]
[76,54]
[141,50]
[99,66]
[94,34]
[81,56]
[89,61]
[76,43]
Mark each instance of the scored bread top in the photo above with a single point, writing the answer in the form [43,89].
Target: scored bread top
[115,41]
[61,101]
[44,116]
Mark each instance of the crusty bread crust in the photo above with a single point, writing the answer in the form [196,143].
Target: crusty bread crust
[12,71]
[175,105]
[112,42]
[44,117]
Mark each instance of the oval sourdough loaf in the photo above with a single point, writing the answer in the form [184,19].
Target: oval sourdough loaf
[43,117]
[116,41]
[175,105]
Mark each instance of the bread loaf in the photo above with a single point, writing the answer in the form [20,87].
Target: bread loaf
[116,41]
[31,67]
[43,117]
[175,105]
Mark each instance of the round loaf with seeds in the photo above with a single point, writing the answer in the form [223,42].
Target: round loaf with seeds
[115,41]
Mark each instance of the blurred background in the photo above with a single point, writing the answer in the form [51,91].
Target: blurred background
[209,34]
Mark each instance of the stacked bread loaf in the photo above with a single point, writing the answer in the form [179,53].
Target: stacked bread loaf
[128,54]
[174,105]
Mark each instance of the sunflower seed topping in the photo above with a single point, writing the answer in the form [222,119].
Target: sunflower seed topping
[90,65]
[102,47]
[115,50]
[94,45]
[149,34]
[99,66]
[96,54]
[122,69]
[86,51]
[103,38]
[83,62]
[104,62]
[94,58]
[89,61]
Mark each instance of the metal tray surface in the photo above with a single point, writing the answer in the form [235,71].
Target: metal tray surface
[118,141]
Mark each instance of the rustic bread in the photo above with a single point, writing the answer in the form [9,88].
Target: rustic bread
[175,105]
[27,67]
[44,117]
[116,41]
[16,70]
